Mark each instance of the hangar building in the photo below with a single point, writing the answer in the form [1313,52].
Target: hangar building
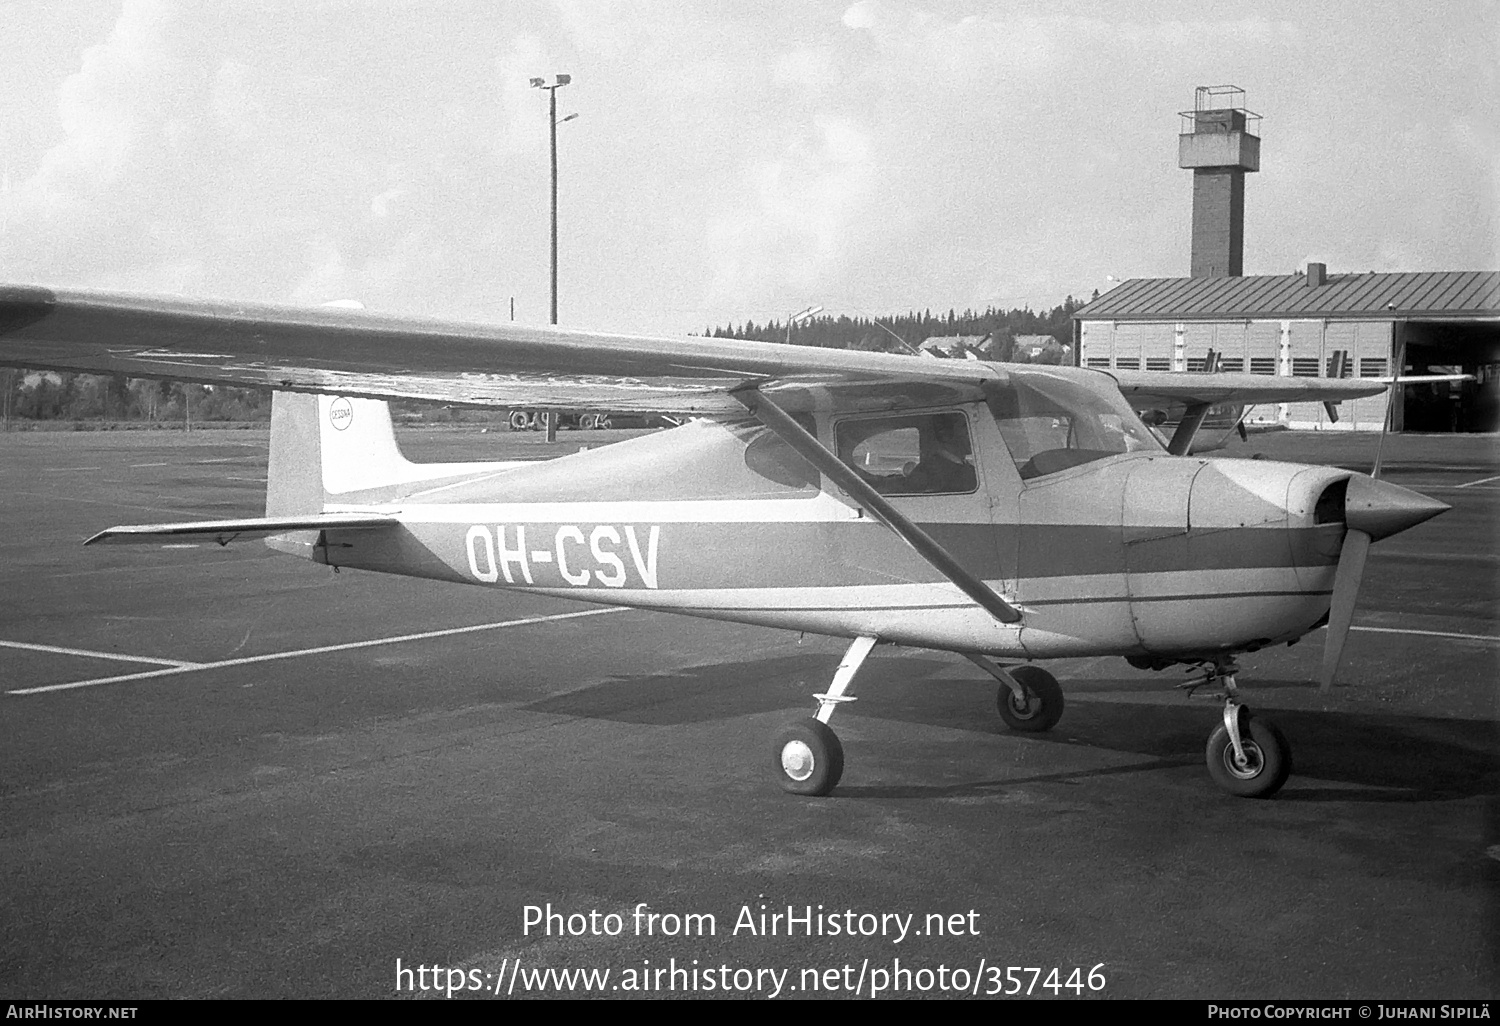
[1299,324]
[1312,324]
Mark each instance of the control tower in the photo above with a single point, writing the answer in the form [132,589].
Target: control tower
[1218,143]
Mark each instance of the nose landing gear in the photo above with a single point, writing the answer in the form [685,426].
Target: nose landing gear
[1246,756]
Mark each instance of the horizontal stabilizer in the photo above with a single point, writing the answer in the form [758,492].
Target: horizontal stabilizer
[226,531]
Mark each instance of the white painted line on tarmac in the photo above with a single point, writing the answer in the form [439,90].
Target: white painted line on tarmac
[1482,480]
[321,650]
[88,653]
[1493,640]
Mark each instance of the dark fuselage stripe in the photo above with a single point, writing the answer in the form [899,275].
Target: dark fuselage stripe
[926,608]
[780,554]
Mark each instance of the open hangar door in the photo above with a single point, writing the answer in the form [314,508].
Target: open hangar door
[1446,347]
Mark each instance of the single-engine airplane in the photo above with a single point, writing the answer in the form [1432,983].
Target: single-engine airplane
[1001,512]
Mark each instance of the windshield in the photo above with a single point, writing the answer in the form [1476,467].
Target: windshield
[1052,423]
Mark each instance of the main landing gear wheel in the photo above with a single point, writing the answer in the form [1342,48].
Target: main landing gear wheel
[1264,767]
[1042,707]
[808,757]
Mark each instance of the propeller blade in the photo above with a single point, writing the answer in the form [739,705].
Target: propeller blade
[1345,591]
[1393,395]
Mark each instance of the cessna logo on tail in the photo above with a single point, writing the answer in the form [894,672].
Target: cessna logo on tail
[584,556]
[340,413]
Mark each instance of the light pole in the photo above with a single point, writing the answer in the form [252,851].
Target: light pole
[798,318]
[552,123]
[537,83]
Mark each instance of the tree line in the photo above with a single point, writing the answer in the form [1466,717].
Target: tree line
[905,332]
[52,395]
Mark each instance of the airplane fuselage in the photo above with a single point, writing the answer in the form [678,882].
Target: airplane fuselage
[1135,554]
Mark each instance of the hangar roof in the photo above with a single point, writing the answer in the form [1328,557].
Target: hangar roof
[1447,295]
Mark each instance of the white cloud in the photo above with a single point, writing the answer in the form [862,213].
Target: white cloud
[327,279]
[794,226]
[380,206]
[731,160]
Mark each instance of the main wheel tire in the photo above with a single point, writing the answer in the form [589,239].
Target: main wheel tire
[808,758]
[1044,701]
[1268,759]
[604,423]
[519,421]
[588,422]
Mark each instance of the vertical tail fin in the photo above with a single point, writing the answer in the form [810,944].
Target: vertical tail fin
[294,476]
[326,449]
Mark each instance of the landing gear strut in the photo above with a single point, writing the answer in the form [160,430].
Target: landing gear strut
[807,757]
[1246,756]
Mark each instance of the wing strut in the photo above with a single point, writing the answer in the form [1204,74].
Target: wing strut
[1187,429]
[841,474]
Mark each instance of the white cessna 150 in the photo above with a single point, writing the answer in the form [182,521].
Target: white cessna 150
[997,511]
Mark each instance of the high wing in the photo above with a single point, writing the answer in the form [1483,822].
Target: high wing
[1163,388]
[377,356]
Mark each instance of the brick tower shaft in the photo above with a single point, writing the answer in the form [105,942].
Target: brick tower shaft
[1219,148]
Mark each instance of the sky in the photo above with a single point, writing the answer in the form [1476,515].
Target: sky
[731,160]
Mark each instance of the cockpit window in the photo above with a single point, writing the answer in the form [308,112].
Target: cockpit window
[1051,424]
[924,454]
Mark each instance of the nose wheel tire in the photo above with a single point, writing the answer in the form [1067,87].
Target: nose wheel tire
[1042,707]
[1266,764]
[808,758]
